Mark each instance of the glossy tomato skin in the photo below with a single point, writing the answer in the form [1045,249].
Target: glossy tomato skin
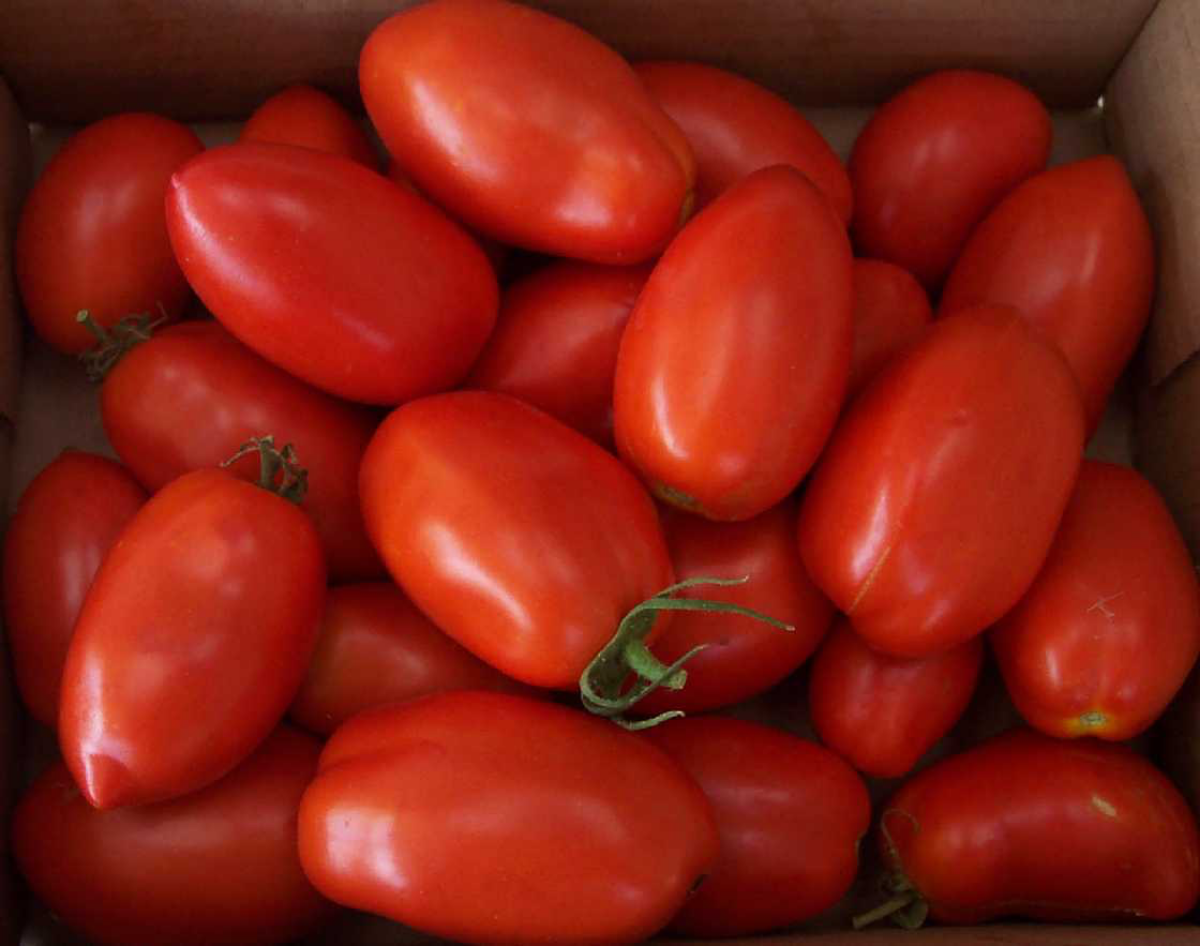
[192,640]
[309,118]
[218,866]
[891,310]
[330,271]
[733,365]
[65,522]
[556,341]
[527,129]
[1071,249]
[1025,825]
[922,521]
[790,816]
[92,233]
[736,126]
[881,713]
[933,160]
[228,394]
[1109,630]
[519,537]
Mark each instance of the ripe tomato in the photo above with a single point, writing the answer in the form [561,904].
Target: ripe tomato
[331,271]
[218,866]
[556,340]
[1111,627]
[1072,249]
[923,521]
[789,815]
[881,713]
[736,126]
[890,311]
[933,160]
[307,117]
[92,234]
[462,815]
[65,522]
[734,363]
[528,129]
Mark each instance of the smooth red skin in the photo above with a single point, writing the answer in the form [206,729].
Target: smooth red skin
[65,522]
[228,394]
[1112,623]
[790,816]
[519,537]
[92,233]
[480,818]
[891,310]
[308,118]
[934,159]
[192,641]
[881,714]
[330,271]
[375,648]
[1025,825]
[736,127]
[733,365]
[219,866]
[922,522]
[743,657]
[556,341]
[1072,249]
[528,129]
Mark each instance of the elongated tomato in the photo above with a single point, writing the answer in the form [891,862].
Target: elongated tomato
[309,118]
[890,311]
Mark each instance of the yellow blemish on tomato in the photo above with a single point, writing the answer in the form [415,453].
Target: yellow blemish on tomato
[1103,806]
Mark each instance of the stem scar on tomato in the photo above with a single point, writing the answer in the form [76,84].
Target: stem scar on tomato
[279,470]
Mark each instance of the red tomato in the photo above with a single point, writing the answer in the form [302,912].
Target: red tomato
[884,713]
[228,394]
[331,271]
[1108,632]
[192,640]
[219,866]
[933,160]
[306,117]
[92,234]
[1072,249]
[65,522]
[736,127]
[890,311]
[528,129]
[924,521]
[485,818]
[789,815]
[734,363]
[556,341]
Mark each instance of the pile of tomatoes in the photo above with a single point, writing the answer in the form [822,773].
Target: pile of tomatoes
[490,536]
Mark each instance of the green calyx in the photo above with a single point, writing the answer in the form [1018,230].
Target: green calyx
[112,343]
[279,471]
[904,905]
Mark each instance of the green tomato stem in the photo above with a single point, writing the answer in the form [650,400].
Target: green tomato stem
[279,471]
[112,344]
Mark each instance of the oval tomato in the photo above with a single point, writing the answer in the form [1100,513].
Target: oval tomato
[890,311]
[330,271]
[92,234]
[308,118]
[65,522]
[528,129]
[710,403]
[462,815]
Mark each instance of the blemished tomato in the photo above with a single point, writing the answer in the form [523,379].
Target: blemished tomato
[923,521]
[1109,630]
[556,340]
[789,814]
[228,394]
[527,129]
[891,309]
[65,522]
[736,127]
[309,118]
[486,818]
[218,866]
[192,641]
[1071,249]
[881,713]
[331,271]
[92,233]
[376,648]
[933,160]
[733,365]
